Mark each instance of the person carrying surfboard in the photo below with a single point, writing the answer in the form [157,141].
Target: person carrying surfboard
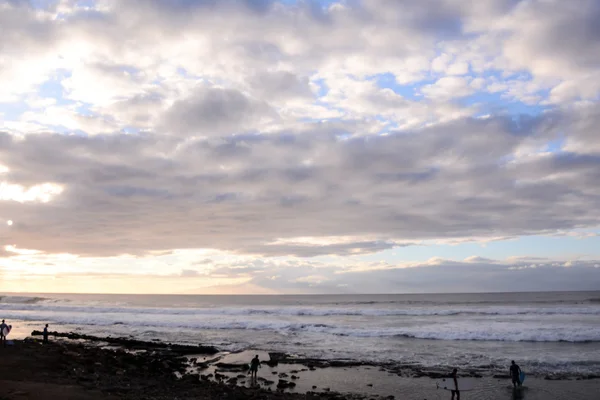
[254,364]
[515,373]
[4,329]
[454,377]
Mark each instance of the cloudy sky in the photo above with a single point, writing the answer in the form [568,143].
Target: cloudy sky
[262,146]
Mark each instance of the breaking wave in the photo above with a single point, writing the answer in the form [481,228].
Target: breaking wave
[31,304]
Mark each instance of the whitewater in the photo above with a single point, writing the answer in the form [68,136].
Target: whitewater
[547,332]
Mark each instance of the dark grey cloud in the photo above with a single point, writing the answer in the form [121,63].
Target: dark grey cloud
[475,275]
[138,193]
[214,111]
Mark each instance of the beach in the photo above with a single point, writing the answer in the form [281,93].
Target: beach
[82,369]
[366,345]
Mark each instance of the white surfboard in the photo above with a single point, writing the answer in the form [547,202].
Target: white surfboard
[464,384]
[6,331]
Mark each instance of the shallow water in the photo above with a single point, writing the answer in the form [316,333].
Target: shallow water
[374,381]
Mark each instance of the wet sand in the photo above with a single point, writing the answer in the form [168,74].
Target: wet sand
[75,370]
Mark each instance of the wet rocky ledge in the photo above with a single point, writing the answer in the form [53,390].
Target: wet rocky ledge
[153,371]
[134,344]
[202,363]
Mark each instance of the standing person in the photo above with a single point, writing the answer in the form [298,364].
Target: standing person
[46,334]
[515,373]
[455,380]
[3,327]
[254,364]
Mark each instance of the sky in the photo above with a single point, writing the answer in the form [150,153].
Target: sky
[269,147]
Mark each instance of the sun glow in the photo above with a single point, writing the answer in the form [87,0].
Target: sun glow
[38,193]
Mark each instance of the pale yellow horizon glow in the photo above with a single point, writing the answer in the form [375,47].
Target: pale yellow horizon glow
[127,284]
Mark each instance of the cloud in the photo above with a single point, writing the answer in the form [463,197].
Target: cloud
[136,194]
[480,277]
[136,127]
[189,273]
[213,111]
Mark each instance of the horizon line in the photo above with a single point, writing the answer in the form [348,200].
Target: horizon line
[296,294]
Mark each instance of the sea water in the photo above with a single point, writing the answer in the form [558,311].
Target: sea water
[544,332]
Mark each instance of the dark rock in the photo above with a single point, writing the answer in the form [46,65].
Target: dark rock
[277,356]
[134,344]
[232,367]
[283,384]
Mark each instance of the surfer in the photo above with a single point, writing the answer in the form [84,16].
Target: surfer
[3,329]
[46,334]
[254,364]
[515,373]
[455,379]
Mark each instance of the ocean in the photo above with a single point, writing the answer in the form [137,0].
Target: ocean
[557,332]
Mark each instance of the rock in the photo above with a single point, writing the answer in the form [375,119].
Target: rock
[314,387]
[283,384]
[232,367]
[192,378]
[294,377]
[277,356]
[283,375]
[135,344]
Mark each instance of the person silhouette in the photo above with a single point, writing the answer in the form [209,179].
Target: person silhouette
[515,374]
[455,381]
[3,328]
[254,365]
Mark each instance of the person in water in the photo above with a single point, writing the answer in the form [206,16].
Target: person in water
[46,334]
[515,373]
[454,377]
[254,364]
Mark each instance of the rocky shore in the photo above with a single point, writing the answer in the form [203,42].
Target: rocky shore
[75,366]
[137,370]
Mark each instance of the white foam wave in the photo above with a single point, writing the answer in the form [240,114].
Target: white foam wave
[532,330]
[21,299]
[307,311]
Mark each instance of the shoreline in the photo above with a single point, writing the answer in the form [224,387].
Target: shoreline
[102,368]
